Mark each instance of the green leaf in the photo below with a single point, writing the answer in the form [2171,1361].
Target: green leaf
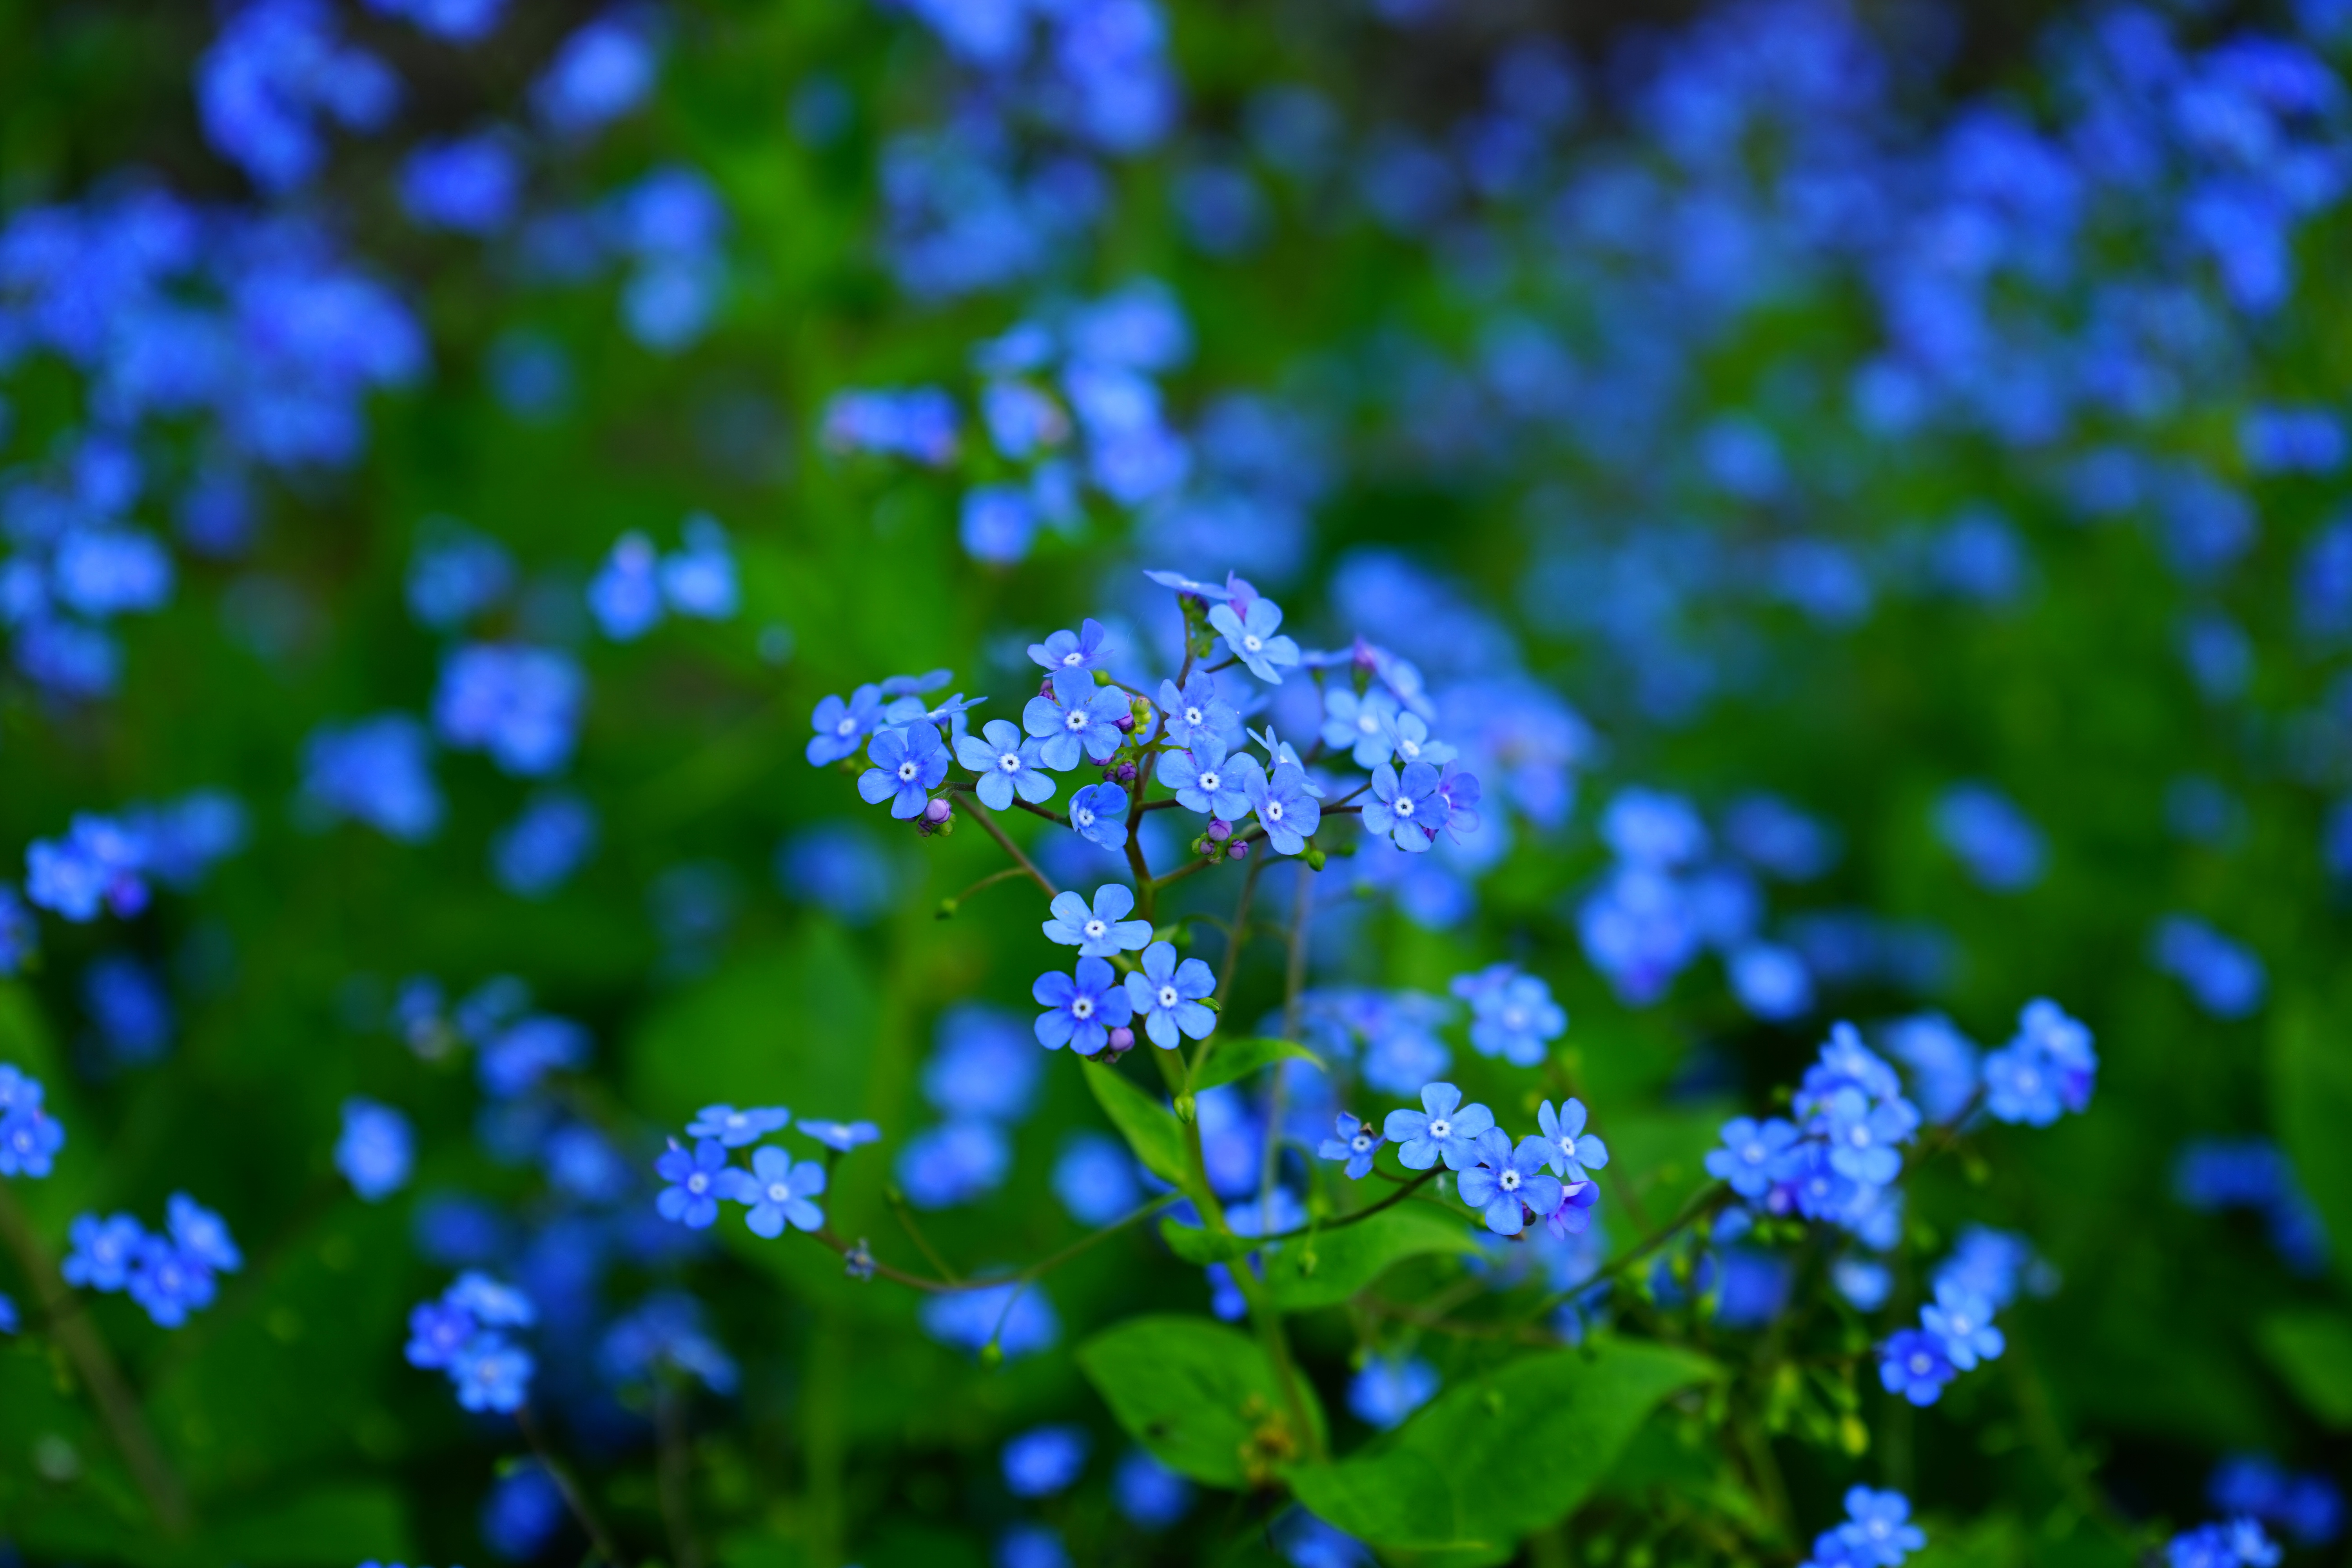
[1202,1398]
[1502,1454]
[2310,1103]
[1150,1128]
[1330,1266]
[1202,1248]
[1232,1060]
[2311,1350]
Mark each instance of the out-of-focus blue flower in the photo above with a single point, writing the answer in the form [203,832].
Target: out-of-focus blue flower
[129,1007]
[1094,1179]
[1044,1460]
[102,1251]
[920,425]
[986,1065]
[514,1061]
[955,1163]
[1031,1546]
[699,580]
[2002,850]
[737,1129]
[520,704]
[275,71]
[459,21]
[2224,977]
[1021,1321]
[456,574]
[1513,1014]
[997,523]
[1912,1365]
[666,1332]
[377,1149]
[95,865]
[1754,1154]
[1148,1493]
[625,594]
[838,867]
[2049,1068]
[1770,981]
[539,850]
[470,185]
[179,841]
[1391,1388]
[598,74]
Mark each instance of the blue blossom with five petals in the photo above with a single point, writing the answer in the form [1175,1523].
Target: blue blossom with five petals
[909,764]
[1442,1129]
[843,1136]
[692,1197]
[1208,780]
[1573,1150]
[1360,723]
[1007,765]
[1074,716]
[1099,931]
[1753,1155]
[1513,1016]
[1167,996]
[1252,634]
[1086,649]
[1408,737]
[1356,1145]
[1507,1182]
[777,1190]
[734,1127]
[1914,1364]
[1862,1137]
[102,1251]
[1961,1321]
[1081,1011]
[1404,809]
[1099,815]
[1197,710]
[1286,806]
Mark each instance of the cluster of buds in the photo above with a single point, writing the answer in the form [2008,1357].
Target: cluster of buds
[1219,843]
[939,816]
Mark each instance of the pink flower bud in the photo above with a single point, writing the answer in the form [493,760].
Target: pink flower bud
[1122,1038]
[1220,829]
[937,810]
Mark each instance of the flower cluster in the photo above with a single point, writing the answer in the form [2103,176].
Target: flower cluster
[103,863]
[1544,1177]
[170,1273]
[2241,1543]
[775,1190]
[637,585]
[29,1136]
[1836,1162]
[1953,1336]
[466,1333]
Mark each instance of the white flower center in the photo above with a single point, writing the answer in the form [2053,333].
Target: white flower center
[1404,806]
[1273,811]
[846,727]
[1440,1128]
[1509,1181]
[1010,761]
[1073,659]
[1250,643]
[2027,1082]
[696,1182]
[1082,816]
[1877,1529]
[1921,1366]
[1194,717]
[1075,719]
[1082,1007]
[1859,1136]
[907,771]
[1408,747]
[1167,997]
[1368,722]
[1096,926]
[778,1192]
[1514,1018]
[1360,1141]
[1209,783]
[1753,1153]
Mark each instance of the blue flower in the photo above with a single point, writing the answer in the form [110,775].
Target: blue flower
[1046,1460]
[1007,765]
[200,1235]
[1099,931]
[1391,1388]
[1358,1145]
[520,704]
[1572,1148]
[1408,737]
[1252,637]
[168,1282]
[1197,710]
[1075,715]
[1085,649]
[376,1151]
[103,1251]
[733,1129]
[2021,1088]
[376,770]
[1286,806]
[841,1136]
[1360,723]
[1513,1016]
[1443,1128]
[492,1373]
[1205,780]
[625,594]
[469,184]
[842,727]
[1152,1496]
[955,1163]
[437,1334]
[1094,1179]
[1573,1215]
[692,1197]
[1864,1137]
[1403,809]
[1099,815]
[909,764]
[1961,1321]
[2238,1544]
[9,1321]
[1914,1364]
[491,1302]
[1167,996]
[699,580]
[778,1190]
[1506,1183]
[1753,1154]
[1080,1012]
[29,1136]
[97,865]
[1878,1533]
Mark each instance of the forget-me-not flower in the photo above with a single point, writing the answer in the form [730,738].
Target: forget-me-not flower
[1752,1156]
[732,1128]
[1196,711]
[1507,1182]
[1862,1137]
[1408,737]
[1912,1365]
[1167,996]
[1081,1011]
[1086,649]
[1404,808]
[1099,931]
[1513,1015]
[692,1197]
[1286,806]
[1572,1148]
[1007,765]
[841,1136]
[1961,1321]
[1075,716]
[1443,1128]
[102,1251]
[1254,636]
[778,1190]
[1356,1145]
[1208,780]
[1099,815]
[909,764]
[1360,723]
[1879,1532]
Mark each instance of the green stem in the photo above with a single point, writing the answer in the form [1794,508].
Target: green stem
[599,1537]
[987,820]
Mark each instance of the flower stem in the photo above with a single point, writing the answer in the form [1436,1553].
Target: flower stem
[987,820]
[599,1537]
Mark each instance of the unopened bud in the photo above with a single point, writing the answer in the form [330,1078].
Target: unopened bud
[947,909]
[1239,852]
[1126,722]
[1183,1108]
[1127,772]
[937,810]
[1220,829]
[1102,678]
[1046,686]
[1315,857]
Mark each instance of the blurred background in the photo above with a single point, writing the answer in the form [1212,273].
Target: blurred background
[448,449]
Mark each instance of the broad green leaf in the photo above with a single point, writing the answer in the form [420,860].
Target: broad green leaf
[1327,1267]
[2311,1104]
[1202,1247]
[2312,1351]
[1150,1128]
[1502,1454]
[1235,1059]
[1202,1398]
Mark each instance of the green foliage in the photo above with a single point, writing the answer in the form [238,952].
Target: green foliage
[1202,1398]
[1230,1061]
[1330,1264]
[1150,1128]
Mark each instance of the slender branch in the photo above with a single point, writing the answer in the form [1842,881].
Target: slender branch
[118,1407]
[676,1462]
[1057,818]
[1294,975]
[899,1206]
[830,1237]
[1163,803]
[987,820]
[1357,1217]
[1240,930]
[599,1537]
[988,881]
[1031,1274]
